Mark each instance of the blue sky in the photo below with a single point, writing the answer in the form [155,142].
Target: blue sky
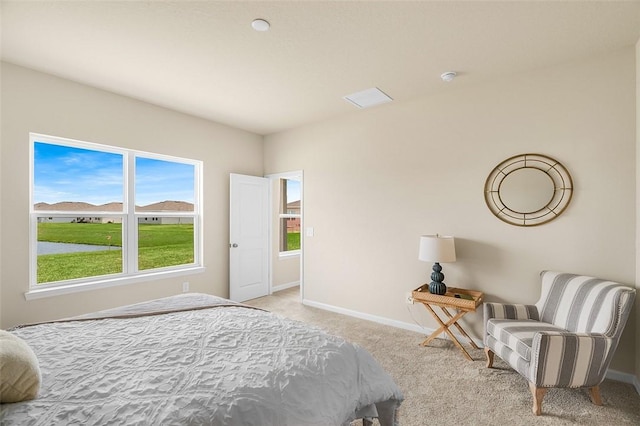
[293,190]
[158,180]
[63,173]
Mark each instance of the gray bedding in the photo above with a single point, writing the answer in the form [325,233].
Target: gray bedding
[199,360]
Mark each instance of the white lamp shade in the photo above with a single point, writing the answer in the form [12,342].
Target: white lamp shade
[437,248]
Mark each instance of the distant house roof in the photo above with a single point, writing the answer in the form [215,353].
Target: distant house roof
[78,206]
[179,206]
[173,206]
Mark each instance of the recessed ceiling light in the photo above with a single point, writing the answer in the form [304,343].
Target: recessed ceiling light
[448,76]
[368,98]
[260,25]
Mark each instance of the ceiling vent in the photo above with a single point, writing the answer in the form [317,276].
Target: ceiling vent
[368,98]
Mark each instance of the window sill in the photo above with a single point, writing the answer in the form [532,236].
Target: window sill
[287,254]
[106,283]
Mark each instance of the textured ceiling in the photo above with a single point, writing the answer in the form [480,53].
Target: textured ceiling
[203,58]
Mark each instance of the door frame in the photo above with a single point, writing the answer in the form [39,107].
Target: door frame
[286,175]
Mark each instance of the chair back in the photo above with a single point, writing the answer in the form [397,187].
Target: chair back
[583,304]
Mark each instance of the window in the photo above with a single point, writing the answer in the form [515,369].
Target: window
[107,215]
[289,216]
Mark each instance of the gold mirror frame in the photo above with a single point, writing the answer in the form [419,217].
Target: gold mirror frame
[562,190]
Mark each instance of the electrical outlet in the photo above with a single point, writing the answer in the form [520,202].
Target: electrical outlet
[408,298]
[185,287]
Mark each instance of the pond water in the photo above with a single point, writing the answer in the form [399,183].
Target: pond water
[45,247]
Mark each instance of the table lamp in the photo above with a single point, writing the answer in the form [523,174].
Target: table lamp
[437,248]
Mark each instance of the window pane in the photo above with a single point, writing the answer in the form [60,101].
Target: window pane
[164,185]
[290,234]
[289,196]
[78,201]
[289,205]
[78,247]
[73,179]
[165,241]
[293,196]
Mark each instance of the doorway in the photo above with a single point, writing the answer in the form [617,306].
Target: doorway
[287,241]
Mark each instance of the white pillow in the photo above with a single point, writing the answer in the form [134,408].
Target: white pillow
[19,370]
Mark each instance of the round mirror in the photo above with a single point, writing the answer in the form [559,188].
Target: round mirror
[528,190]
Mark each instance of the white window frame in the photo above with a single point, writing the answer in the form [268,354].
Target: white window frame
[288,253]
[130,273]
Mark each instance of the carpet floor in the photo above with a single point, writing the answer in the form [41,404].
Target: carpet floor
[441,387]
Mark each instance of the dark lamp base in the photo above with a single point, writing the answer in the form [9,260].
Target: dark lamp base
[437,288]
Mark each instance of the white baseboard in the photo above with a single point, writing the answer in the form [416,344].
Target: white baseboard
[386,321]
[611,374]
[281,287]
[619,376]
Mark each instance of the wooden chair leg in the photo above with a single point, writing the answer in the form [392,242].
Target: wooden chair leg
[594,394]
[489,353]
[538,395]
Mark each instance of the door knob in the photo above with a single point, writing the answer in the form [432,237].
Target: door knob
[234,245]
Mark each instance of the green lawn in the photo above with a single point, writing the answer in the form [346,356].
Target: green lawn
[59,267]
[293,241]
[81,233]
[159,246]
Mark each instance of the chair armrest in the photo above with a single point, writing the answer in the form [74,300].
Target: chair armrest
[509,311]
[566,359]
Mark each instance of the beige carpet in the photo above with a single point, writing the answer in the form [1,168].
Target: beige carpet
[441,387]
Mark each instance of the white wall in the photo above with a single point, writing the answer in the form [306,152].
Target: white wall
[37,102]
[377,179]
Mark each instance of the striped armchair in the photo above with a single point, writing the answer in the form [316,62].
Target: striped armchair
[567,339]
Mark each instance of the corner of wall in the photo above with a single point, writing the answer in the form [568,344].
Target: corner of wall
[637,357]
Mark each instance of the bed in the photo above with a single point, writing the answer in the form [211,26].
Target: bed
[197,359]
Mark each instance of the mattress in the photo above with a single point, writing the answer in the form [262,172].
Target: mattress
[197,359]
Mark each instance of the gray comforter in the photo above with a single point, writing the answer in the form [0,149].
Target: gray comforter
[165,363]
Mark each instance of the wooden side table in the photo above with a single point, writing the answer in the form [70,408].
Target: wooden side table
[459,299]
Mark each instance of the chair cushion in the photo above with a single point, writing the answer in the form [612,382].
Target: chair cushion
[518,334]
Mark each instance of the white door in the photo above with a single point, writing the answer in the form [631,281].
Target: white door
[249,237]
